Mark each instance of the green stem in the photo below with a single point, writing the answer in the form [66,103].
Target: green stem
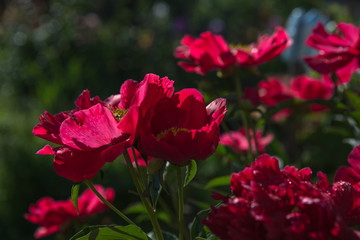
[181,203]
[246,126]
[138,168]
[252,126]
[145,201]
[226,128]
[243,116]
[91,186]
[167,209]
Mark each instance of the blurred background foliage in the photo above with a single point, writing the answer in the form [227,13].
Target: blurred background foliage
[51,50]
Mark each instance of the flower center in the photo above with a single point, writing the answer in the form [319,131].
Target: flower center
[174,131]
[118,112]
[240,46]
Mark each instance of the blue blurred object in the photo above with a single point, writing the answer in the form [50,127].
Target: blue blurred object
[299,26]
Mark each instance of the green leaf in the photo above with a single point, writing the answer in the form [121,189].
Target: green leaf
[196,226]
[221,149]
[74,195]
[219,181]
[155,187]
[167,236]
[354,99]
[190,172]
[260,123]
[136,208]
[114,232]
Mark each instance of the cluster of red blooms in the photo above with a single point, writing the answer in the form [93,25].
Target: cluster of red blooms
[339,52]
[274,203]
[174,127]
[52,215]
[268,202]
[274,91]
[211,52]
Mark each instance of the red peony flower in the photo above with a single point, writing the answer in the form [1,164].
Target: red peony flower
[303,87]
[350,174]
[338,52]
[264,50]
[97,132]
[51,215]
[307,88]
[211,52]
[252,94]
[273,91]
[346,196]
[274,203]
[206,53]
[238,140]
[181,127]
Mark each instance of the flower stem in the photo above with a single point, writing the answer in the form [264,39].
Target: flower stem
[246,126]
[244,117]
[142,181]
[255,139]
[181,203]
[145,201]
[226,128]
[91,186]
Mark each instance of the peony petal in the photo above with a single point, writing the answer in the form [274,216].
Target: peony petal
[45,231]
[345,73]
[351,32]
[91,128]
[347,174]
[77,165]
[216,109]
[151,90]
[47,150]
[191,67]
[113,100]
[151,146]
[187,40]
[130,124]
[328,62]
[272,46]
[354,158]
[84,101]
[127,92]
[192,103]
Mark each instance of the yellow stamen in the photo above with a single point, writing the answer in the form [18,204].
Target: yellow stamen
[118,112]
[174,131]
[240,46]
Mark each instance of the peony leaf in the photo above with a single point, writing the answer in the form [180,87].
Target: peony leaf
[221,150]
[111,232]
[354,99]
[196,227]
[136,208]
[219,181]
[155,187]
[74,196]
[190,172]
[167,236]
